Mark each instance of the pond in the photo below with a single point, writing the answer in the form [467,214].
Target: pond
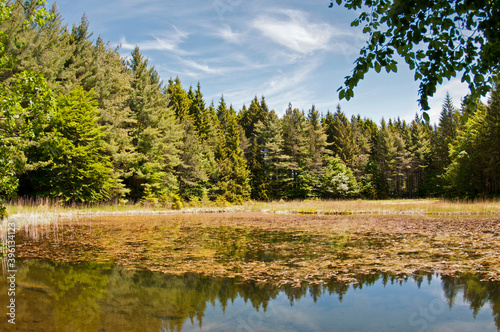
[105,297]
[257,272]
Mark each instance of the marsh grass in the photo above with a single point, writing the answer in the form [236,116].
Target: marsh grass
[381,207]
[26,206]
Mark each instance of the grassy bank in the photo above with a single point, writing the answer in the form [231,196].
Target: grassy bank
[48,209]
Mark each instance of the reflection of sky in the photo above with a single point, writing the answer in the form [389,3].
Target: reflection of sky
[370,308]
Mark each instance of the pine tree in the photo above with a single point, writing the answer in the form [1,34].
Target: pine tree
[493,142]
[465,175]
[475,160]
[110,82]
[296,148]
[191,173]
[76,68]
[197,110]
[156,134]
[385,155]
[43,48]
[363,131]
[420,148]
[338,180]
[449,123]
[340,137]
[233,182]
[317,148]
[248,118]
[272,175]
[210,138]
[178,98]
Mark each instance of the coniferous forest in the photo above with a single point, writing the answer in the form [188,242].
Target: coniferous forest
[81,123]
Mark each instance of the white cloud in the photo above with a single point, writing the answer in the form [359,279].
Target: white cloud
[170,43]
[294,31]
[227,34]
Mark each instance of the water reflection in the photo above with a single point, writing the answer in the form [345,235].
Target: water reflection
[100,297]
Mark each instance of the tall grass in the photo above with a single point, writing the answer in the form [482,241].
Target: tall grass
[382,207]
[37,209]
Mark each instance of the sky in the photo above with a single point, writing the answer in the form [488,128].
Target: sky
[289,51]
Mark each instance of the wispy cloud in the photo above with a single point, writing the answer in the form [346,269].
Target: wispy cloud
[290,28]
[228,35]
[170,43]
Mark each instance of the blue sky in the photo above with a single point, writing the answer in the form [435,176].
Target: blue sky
[286,50]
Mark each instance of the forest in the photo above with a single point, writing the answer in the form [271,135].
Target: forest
[80,123]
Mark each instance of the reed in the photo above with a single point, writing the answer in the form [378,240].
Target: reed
[45,210]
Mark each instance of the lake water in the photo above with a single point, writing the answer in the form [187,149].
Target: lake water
[104,297]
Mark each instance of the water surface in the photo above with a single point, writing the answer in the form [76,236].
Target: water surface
[104,297]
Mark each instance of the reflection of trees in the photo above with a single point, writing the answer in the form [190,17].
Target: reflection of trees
[94,296]
[477,293]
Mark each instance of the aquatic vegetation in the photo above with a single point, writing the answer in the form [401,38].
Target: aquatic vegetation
[281,249]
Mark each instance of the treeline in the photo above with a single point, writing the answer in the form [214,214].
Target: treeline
[80,123]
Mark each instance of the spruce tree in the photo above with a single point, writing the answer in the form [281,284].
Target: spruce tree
[233,182]
[296,148]
[449,123]
[191,173]
[68,162]
[156,134]
[420,149]
[475,160]
[273,175]
[317,148]
[197,110]
[340,137]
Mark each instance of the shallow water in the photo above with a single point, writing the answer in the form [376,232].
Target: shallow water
[104,297]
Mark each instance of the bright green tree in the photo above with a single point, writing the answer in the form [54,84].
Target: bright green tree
[68,161]
[338,180]
[25,100]
[191,173]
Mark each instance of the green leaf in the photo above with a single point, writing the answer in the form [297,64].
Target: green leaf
[426,116]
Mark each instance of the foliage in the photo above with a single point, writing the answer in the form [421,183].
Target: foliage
[25,100]
[338,180]
[475,160]
[437,39]
[68,160]
[116,132]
